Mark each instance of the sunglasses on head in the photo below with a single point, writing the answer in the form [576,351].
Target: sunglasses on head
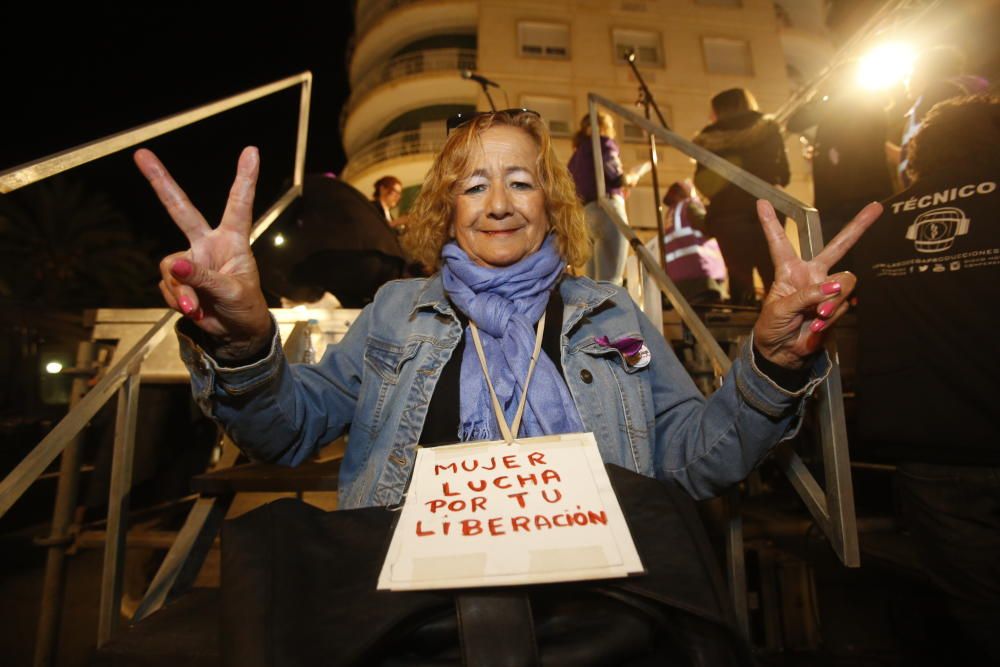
[464,118]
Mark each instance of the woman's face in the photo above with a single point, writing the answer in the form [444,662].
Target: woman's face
[500,215]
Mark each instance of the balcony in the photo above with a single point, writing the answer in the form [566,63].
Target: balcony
[423,142]
[406,82]
[411,64]
[384,27]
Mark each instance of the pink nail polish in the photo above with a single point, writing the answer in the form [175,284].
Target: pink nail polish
[831,287]
[825,309]
[185,304]
[817,326]
[181,268]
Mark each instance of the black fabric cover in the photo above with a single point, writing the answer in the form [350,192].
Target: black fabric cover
[337,243]
[298,588]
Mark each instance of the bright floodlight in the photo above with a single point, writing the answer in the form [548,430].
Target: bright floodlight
[885,65]
[53,367]
[279,240]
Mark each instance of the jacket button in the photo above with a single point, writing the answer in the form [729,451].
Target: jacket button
[586,376]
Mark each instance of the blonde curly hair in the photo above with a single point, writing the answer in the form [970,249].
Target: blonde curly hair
[430,217]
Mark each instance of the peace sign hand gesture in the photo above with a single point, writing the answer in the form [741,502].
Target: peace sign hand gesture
[804,300]
[215,282]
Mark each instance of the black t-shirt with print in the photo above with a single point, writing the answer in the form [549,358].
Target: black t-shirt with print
[928,316]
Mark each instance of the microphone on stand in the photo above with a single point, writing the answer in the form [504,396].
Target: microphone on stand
[484,83]
[481,80]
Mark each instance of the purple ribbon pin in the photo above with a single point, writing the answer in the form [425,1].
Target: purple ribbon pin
[633,349]
[629,347]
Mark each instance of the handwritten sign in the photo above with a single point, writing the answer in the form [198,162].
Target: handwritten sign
[496,514]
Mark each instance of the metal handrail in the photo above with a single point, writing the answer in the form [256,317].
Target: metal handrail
[205,517]
[833,511]
[35,463]
[408,142]
[37,170]
[124,377]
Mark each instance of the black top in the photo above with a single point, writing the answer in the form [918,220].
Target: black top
[929,285]
[442,421]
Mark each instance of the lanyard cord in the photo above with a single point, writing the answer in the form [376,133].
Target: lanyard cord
[508,432]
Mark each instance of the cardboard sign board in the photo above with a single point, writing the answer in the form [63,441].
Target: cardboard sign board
[540,510]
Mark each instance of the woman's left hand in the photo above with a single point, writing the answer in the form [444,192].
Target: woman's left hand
[804,300]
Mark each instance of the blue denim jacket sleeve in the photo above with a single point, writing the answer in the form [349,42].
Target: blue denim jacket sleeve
[276,411]
[709,445]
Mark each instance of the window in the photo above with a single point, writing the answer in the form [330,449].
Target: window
[557,113]
[631,134]
[543,40]
[727,56]
[645,44]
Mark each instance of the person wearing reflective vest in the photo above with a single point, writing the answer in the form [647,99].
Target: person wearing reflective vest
[692,259]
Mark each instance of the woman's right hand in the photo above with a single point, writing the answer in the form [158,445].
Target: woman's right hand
[215,282]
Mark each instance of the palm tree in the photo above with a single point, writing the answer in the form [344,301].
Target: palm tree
[64,247]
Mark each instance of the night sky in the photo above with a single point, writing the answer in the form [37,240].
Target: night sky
[78,75]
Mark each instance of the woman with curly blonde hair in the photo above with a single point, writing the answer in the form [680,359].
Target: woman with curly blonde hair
[431,213]
[610,247]
[555,353]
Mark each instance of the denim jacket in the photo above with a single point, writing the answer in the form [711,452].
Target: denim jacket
[378,381]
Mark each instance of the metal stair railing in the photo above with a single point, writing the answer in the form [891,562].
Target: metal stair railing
[123,377]
[187,552]
[832,509]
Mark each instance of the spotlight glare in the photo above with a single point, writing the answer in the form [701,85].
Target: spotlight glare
[279,240]
[885,65]
[53,368]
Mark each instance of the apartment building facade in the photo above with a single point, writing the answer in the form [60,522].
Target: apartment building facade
[408,57]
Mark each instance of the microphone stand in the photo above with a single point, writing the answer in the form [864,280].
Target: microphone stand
[647,101]
[486,89]
[645,93]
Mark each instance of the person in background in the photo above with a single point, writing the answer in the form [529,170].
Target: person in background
[610,247]
[938,75]
[928,361]
[388,191]
[692,259]
[744,136]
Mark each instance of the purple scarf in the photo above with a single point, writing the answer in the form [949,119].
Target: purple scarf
[505,304]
